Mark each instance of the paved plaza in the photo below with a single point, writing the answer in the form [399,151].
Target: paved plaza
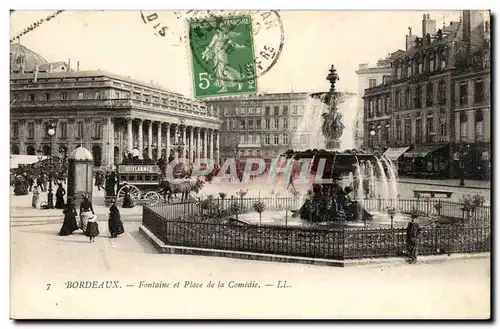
[39,257]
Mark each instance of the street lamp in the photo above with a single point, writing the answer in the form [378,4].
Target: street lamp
[461,159]
[372,138]
[51,131]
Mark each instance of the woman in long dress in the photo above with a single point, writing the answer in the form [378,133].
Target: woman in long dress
[115,224]
[35,197]
[60,193]
[86,211]
[92,228]
[69,224]
[127,199]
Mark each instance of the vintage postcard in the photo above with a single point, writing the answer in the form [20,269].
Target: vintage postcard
[250,164]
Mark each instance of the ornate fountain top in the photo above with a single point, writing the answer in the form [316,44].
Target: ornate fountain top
[333,77]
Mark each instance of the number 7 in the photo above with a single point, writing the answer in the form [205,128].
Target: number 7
[48,286]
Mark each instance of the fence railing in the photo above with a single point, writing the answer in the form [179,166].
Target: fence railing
[172,225]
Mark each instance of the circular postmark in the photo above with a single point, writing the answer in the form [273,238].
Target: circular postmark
[234,48]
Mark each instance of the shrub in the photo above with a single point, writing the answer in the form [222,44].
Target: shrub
[259,207]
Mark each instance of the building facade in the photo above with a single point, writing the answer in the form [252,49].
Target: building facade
[108,114]
[437,104]
[368,77]
[263,125]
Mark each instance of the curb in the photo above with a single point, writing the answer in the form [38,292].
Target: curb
[446,185]
[181,250]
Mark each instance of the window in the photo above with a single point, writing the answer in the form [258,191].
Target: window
[418,131]
[250,111]
[268,124]
[431,64]
[463,125]
[443,61]
[242,139]
[64,95]
[31,130]
[242,124]
[97,130]
[47,96]
[63,128]
[117,96]
[295,109]
[429,127]
[276,139]
[463,94]
[243,111]
[418,97]
[268,110]
[386,79]
[80,95]
[79,132]
[399,70]
[398,99]
[15,130]
[479,91]
[441,93]
[407,131]
[285,110]
[258,110]
[32,97]
[250,124]
[276,123]
[266,139]
[408,98]
[430,95]
[409,69]
[386,105]
[479,124]
[249,139]
[398,130]
[372,83]
[276,110]
[295,123]
[442,126]
[258,124]
[285,139]
[420,67]
[285,123]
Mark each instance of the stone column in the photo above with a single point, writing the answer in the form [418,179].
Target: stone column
[38,133]
[176,141]
[211,149]
[87,128]
[198,143]
[184,146]
[22,136]
[110,162]
[141,139]
[217,149]
[71,135]
[158,141]
[130,136]
[458,127]
[150,139]
[167,142]
[191,137]
[205,143]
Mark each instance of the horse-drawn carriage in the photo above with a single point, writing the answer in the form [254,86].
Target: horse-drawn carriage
[147,184]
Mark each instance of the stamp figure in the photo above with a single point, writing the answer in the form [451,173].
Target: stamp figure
[223,57]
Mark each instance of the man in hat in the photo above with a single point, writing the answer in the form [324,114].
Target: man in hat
[412,233]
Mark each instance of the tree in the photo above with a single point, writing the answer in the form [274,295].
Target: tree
[259,207]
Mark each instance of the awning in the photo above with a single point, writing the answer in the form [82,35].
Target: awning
[422,151]
[393,153]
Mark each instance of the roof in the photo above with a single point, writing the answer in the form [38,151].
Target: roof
[23,56]
[93,73]
[45,67]
[81,154]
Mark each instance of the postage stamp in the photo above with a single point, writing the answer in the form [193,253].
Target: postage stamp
[222,55]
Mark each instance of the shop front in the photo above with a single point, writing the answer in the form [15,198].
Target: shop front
[474,159]
[394,154]
[427,161]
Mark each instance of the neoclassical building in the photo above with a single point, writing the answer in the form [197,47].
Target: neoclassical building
[111,115]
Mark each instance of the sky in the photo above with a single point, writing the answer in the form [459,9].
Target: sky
[119,42]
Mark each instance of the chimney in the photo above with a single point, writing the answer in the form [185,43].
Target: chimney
[35,77]
[428,25]
[69,65]
[409,40]
[50,68]
[78,66]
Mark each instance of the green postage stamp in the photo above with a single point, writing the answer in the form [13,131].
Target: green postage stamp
[222,55]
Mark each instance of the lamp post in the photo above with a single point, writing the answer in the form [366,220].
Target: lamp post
[372,138]
[463,150]
[51,131]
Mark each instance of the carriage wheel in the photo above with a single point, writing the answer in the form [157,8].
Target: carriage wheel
[151,198]
[135,194]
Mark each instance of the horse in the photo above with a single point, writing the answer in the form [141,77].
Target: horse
[185,187]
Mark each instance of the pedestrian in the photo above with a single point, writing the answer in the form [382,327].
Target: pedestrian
[86,211]
[31,181]
[127,199]
[69,225]
[92,228]
[45,182]
[35,197]
[115,223]
[60,193]
[412,233]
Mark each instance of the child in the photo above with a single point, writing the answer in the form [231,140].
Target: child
[92,228]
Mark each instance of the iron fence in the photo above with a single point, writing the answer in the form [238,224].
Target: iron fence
[180,224]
